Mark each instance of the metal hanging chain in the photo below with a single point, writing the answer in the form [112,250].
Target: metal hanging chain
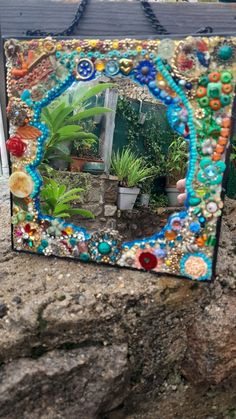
[160,29]
[148,11]
[146,6]
[70,30]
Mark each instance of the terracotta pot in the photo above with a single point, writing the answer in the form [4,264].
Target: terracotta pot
[77,164]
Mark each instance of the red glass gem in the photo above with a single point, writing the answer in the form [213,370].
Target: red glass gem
[147,260]
[27,228]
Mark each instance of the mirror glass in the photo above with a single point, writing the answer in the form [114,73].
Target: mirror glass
[112,160]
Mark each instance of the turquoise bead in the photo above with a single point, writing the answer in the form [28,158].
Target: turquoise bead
[40,249]
[44,243]
[225,100]
[104,248]
[194,201]
[225,52]
[73,241]
[84,257]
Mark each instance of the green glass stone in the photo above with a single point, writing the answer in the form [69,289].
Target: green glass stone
[225,52]
[214,131]
[204,81]
[30,243]
[104,248]
[204,101]
[14,219]
[211,241]
[214,90]
[21,216]
[226,77]
[29,217]
[201,192]
[84,257]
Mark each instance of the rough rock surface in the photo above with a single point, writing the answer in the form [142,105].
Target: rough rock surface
[84,341]
[87,374]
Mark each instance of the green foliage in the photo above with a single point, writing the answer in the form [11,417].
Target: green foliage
[56,200]
[160,147]
[62,118]
[233,151]
[158,201]
[129,168]
[177,159]
[154,133]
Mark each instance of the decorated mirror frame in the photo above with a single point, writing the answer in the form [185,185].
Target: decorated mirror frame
[193,77]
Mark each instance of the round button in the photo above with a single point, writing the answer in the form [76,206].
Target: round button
[211,207]
[85,69]
[112,68]
[21,184]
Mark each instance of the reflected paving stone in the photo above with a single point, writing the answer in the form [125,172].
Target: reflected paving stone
[110,210]
[111,189]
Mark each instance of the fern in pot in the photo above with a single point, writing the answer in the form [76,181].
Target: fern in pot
[131,172]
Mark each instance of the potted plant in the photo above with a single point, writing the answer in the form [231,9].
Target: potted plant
[85,153]
[176,166]
[130,171]
[65,121]
[147,188]
[145,194]
[81,152]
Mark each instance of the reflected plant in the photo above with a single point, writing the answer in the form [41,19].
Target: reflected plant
[233,152]
[158,201]
[56,200]
[177,160]
[154,133]
[129,168]
[62,119]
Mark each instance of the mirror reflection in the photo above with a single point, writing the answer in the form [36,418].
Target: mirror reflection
[111,160]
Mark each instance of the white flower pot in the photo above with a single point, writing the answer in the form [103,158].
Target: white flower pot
[172,194]
[127,198]
[144,200]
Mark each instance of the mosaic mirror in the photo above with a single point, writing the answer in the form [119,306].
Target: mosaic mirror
[118,149]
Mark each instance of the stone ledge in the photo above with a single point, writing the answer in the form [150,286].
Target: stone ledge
[97,379]
[158,327]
